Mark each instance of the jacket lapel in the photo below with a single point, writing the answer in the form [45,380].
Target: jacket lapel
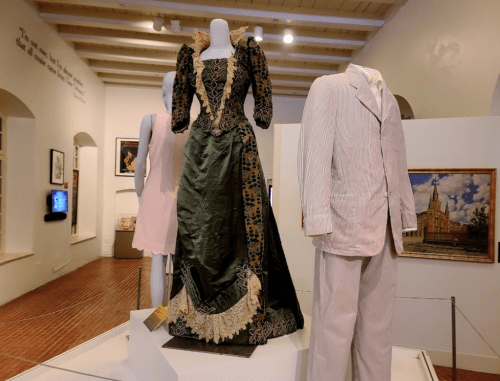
[363,91]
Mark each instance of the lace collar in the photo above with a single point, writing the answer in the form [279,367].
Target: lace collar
[201,42]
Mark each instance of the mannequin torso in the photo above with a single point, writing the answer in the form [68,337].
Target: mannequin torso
[159,262]
[146,132]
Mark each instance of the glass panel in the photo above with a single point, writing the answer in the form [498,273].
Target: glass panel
[76,163]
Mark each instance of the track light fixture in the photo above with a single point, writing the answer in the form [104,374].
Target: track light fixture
[287,36]
[175,26]
[158,23]
[258,32]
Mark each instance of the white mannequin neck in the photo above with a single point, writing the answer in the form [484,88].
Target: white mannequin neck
[220,41]
[168,89]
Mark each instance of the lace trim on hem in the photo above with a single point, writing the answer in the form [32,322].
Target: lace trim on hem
[217,327]
[202,41]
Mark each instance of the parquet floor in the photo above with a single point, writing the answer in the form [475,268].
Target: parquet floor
[87,303]
[444,374]
[102,292]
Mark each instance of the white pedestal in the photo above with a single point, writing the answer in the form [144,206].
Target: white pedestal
[281,359]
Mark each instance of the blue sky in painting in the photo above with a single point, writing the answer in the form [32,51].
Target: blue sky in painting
[463,192]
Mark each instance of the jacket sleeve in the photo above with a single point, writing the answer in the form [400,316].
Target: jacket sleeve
[408,216]
[315,156]
[261,84]
[183,92]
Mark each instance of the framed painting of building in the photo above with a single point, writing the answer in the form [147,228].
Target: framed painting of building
[455,214]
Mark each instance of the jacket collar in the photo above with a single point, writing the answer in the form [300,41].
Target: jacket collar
[364,93]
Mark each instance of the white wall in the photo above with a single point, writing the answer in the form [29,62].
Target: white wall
[125,108]
[432,143]
[442,55]
[87,194]
[58,116]
[20,198]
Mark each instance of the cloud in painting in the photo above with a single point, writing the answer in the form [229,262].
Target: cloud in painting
[463,192]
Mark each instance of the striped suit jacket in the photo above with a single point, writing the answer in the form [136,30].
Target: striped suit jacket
[352,167]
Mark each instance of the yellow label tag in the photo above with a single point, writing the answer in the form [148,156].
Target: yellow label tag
[157,317]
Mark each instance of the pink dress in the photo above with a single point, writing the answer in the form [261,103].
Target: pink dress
[156,226]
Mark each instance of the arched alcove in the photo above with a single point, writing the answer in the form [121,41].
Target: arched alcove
[495,100]
[14,106]
[127,203]
[17,174]
[84,187]
[404,108]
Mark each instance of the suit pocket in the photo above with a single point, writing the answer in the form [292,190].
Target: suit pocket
[344,218]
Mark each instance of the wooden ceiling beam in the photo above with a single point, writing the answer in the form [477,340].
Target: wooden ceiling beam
[99,66]
[244,12]
[276,92]
[110,53]
[138,70]
[85,18]
[133,39]
[397,2]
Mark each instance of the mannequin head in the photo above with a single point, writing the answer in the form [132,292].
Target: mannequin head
[219,33]
[167,90]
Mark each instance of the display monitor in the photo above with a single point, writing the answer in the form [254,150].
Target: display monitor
[59,202]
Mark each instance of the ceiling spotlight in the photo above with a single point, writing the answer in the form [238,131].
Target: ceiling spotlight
[257,32]
[287,35]
[158,23]
[175,26]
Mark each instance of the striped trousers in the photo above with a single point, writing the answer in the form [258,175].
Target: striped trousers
[353,307]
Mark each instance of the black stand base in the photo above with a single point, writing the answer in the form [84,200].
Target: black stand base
[186,344]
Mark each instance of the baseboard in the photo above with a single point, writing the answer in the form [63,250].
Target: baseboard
[466,361]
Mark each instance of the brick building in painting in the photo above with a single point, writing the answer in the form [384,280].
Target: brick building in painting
[435,225]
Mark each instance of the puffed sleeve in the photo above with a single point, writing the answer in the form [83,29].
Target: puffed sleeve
[261,84]
[183,92]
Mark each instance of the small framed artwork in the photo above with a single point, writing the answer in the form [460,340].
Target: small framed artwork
[126,155]
[74,207]
[455,214]
[133,222]
[124,223]
[56,167]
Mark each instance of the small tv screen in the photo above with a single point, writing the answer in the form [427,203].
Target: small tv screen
[59,201]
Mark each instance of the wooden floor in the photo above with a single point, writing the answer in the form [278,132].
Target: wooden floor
[89,301]
[444,374]
[84,304]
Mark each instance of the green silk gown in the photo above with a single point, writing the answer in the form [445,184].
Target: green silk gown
[231,282]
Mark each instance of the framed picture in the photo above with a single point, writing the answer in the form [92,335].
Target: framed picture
[56,167]
[124,223]
[126,155]
[133,222]
[455,214]
[74,206]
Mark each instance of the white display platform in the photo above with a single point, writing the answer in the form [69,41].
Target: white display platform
[281,359]
[411,365]
[106,356]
